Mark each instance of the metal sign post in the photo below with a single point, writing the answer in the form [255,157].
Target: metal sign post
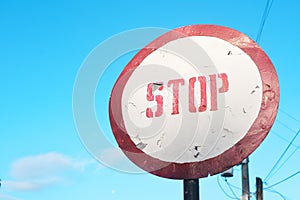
[245,180]
[191,189]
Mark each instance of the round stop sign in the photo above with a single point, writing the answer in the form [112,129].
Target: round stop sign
[194,102]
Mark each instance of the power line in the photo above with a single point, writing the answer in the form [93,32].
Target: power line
[283,180]
[296,147]
[285,161]
[284,152]
[276,192]
[264,18]
[229,186]
[239,188]
[284,139]
[286,126]
[220,186]
[289,115]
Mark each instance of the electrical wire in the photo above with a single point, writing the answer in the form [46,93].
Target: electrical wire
[297,147]
[289,115]
[220,186]
[286,126]
[285,161]
[284,152]
[229,186]
[264,18]
[239,188]
[276,192]
[284,139]
[283,180]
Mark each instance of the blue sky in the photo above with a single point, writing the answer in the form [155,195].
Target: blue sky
[43,45]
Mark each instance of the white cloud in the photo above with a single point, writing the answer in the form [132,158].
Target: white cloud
[29,185]
[7,197]
[42,165]
[40,171]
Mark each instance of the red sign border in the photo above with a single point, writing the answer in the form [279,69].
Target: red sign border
[232,156]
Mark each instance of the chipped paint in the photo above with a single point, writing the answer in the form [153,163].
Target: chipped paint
[233,86]
[141,145]
[185,144]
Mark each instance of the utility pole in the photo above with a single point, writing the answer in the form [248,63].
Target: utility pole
[191,189]
[259,189]
[245,180]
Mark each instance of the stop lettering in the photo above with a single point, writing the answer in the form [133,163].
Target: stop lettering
[177,83]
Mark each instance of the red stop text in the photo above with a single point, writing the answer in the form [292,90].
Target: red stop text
[175,85]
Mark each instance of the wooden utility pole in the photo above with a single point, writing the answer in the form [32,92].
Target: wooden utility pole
[245,180]
[259,189]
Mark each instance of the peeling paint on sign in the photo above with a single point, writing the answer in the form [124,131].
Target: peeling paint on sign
[194,102]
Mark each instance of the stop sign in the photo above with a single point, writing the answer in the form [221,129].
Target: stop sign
[194,102]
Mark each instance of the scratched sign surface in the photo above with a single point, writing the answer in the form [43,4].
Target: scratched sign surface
[194,102]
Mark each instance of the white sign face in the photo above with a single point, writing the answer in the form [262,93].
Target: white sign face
[194,102]
[188,131]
